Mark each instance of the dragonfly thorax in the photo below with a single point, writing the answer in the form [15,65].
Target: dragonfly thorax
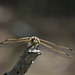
[34,40]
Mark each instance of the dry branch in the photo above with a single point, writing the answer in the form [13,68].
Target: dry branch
[24,62]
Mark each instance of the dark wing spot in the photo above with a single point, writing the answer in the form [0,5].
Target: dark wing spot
[20,68]
[71,49]
[5,73]
[17,72]
[67,54]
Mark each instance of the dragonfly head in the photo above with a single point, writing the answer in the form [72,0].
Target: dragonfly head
[34,40]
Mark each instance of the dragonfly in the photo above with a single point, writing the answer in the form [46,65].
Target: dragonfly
[35,41]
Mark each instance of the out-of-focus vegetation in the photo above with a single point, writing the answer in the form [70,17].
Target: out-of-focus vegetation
[53,20]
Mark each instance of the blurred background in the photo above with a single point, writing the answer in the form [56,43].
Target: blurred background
[53,20]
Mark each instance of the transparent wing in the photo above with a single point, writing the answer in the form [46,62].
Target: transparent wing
[55,49]
[57,45]
[14,42]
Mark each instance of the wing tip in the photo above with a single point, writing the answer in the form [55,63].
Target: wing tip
[1,42]
[67,54]
[72,50]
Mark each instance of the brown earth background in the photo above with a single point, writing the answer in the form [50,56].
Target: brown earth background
[53,20]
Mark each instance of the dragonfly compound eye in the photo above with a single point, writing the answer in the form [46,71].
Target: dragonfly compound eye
[35,40]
